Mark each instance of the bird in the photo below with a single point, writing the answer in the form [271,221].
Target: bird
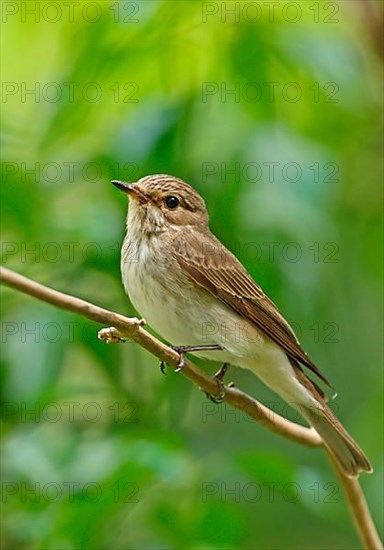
[193,291]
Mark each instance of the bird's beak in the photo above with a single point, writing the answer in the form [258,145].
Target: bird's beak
[132,189]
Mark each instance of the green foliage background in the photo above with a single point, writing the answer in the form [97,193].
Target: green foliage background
[153,464]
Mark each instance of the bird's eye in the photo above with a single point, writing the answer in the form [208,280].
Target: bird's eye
[172,202]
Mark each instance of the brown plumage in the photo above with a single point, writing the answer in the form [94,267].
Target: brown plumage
[220,272]
[183,277]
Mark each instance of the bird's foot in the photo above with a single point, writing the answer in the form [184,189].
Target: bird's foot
[182,350]
[219,377]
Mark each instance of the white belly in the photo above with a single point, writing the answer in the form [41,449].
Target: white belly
[185,314]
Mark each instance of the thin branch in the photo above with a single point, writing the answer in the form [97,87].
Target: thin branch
[359,509]
[132,328]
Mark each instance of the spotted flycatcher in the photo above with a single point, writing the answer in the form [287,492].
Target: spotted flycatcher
[193,291]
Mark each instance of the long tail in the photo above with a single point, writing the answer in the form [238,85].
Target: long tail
[348,454]
[346,451]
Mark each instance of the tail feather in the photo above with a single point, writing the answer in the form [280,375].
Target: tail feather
[348,454]
[346,451]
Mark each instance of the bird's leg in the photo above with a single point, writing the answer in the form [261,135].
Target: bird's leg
[182,350]
[219,377]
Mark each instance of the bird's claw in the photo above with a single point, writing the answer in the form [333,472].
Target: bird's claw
[219,376]
[181,364]
[182,350]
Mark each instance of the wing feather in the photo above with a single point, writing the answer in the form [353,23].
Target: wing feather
[217,270]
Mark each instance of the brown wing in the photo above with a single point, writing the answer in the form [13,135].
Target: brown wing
[217,270]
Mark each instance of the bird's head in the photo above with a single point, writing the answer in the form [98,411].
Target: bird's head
[161,202]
